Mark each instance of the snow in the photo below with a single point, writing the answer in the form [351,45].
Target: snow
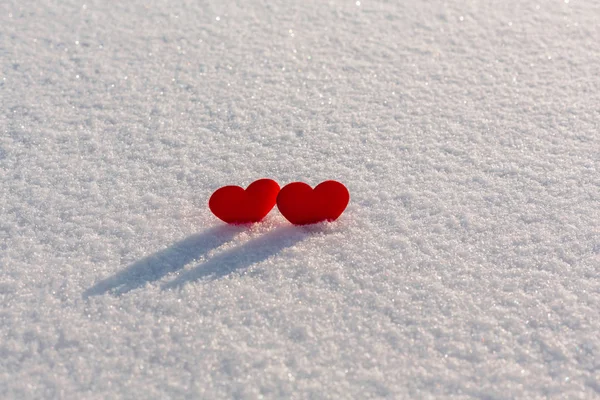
[467,264]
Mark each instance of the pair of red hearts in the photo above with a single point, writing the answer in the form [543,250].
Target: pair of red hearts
[297,202]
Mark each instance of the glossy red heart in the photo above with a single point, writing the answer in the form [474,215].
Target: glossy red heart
[235,205]
[301,205]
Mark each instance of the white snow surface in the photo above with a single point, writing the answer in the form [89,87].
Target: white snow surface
[467,264]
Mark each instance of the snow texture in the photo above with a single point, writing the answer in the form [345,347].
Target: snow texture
[467,264]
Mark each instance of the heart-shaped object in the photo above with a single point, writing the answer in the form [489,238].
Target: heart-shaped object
[235,205]
[301,205]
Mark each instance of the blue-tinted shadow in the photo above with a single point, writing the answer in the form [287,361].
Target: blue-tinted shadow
[166,261]
[242,257]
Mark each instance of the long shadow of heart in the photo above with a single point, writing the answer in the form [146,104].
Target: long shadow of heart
[239,258]
[159,264]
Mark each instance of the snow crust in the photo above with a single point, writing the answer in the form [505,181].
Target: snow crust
[467,264]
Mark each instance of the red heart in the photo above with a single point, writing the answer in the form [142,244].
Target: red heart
[301,205]
[235,205]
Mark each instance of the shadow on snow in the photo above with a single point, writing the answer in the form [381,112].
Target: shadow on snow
[156,266]
[163,262]
[241,257]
